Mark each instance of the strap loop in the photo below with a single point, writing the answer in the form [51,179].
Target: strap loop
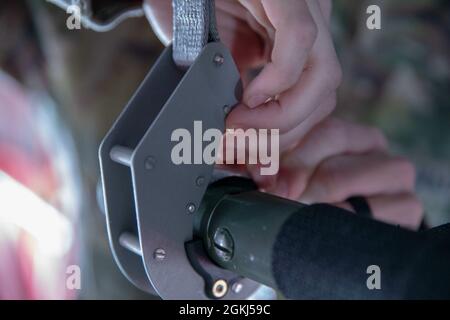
[194,25]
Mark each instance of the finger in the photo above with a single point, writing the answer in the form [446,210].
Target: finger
[341,177]
[258,151]
[236,32]
[287,142]
[404,210]
[290,139]
[293,137]
[295,105]
[331,138]
[295,33]
[334,137]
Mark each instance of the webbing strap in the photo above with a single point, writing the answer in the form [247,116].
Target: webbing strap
[194,25]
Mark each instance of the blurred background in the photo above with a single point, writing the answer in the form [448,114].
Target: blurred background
[60,91]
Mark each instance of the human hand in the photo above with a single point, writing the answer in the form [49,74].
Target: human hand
[295,91]
[290,40]
[337,160]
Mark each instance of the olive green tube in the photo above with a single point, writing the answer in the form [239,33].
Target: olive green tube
[318,251]
[240,227]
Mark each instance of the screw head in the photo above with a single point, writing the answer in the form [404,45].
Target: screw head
[220,288]
[159,254]
[191,207]
[218,59]
[150,163]
[200,182]
[223,244]
[226,109]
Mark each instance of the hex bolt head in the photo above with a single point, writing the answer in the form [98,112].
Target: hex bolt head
[220,288]
[218,59]
[150,163]
[191,208]
[159,254]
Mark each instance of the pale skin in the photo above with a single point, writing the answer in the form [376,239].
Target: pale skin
[323,159]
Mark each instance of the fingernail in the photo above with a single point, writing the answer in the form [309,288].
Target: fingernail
[257,100]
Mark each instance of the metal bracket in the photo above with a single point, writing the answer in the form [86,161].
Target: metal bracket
[150,202]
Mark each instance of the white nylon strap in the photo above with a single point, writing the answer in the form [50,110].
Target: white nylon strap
[194,25]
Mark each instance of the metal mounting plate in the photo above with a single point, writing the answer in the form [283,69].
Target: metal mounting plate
[151,197]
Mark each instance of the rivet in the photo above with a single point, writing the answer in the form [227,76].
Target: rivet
[191,207]
[219,59]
